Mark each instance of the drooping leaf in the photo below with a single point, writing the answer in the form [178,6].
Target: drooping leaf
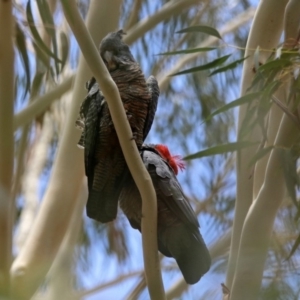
[221,149]
[41,55]
[36,83]
[36,34]
[288,163]
[256,61]
[49,26]
[295,246]
[240,101]
[203,29]
[64,49]
[21,45]
[210,65]
[228,67]
[275,64]
[188,51]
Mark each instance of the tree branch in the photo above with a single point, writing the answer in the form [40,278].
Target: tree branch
[170,9]
[131,154]
[7,142]
[267,23]
[41,247]
[258,227]
[41,103]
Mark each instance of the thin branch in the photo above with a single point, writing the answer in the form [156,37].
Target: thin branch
[35,166]
[235,24]
[131,154]
[60,285]
[171,8]
[134,15]
[41,247]
[7,142]
[139,287]
[41,103]
[103,286]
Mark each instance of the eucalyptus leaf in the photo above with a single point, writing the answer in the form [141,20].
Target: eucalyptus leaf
[21,45]
[203,29]
[221,149]
[210,65]
[229,66]
[240,101]
[36,35]
[188,51]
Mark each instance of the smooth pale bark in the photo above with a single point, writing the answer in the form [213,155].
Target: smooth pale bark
[39,104]
[31,180]
[128,145]
[61,275]
[265,33]
[258,227]
[6,138]
[33,262]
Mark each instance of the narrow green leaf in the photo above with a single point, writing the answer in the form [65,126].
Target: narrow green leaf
[49,26]
[275,64]
[260,154]
[203,29]
[35,33]
[256,59]
[21,45]
[41,55]
[228,67]
[187,51]
[210,65]
[221,149]
[36,84]
[240,101]
[288,164]
[64,49]
[295,246]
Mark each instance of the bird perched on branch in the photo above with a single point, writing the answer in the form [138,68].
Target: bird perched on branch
[103,156]
[178,232]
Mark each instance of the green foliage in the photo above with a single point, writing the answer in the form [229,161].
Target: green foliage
[203,29]
[220,149]
[213,64]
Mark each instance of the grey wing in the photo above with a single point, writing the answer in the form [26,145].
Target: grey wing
[93,88]
[154,91]
[168,188]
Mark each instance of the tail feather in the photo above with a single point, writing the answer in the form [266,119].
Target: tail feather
[100,207]
[189,250]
